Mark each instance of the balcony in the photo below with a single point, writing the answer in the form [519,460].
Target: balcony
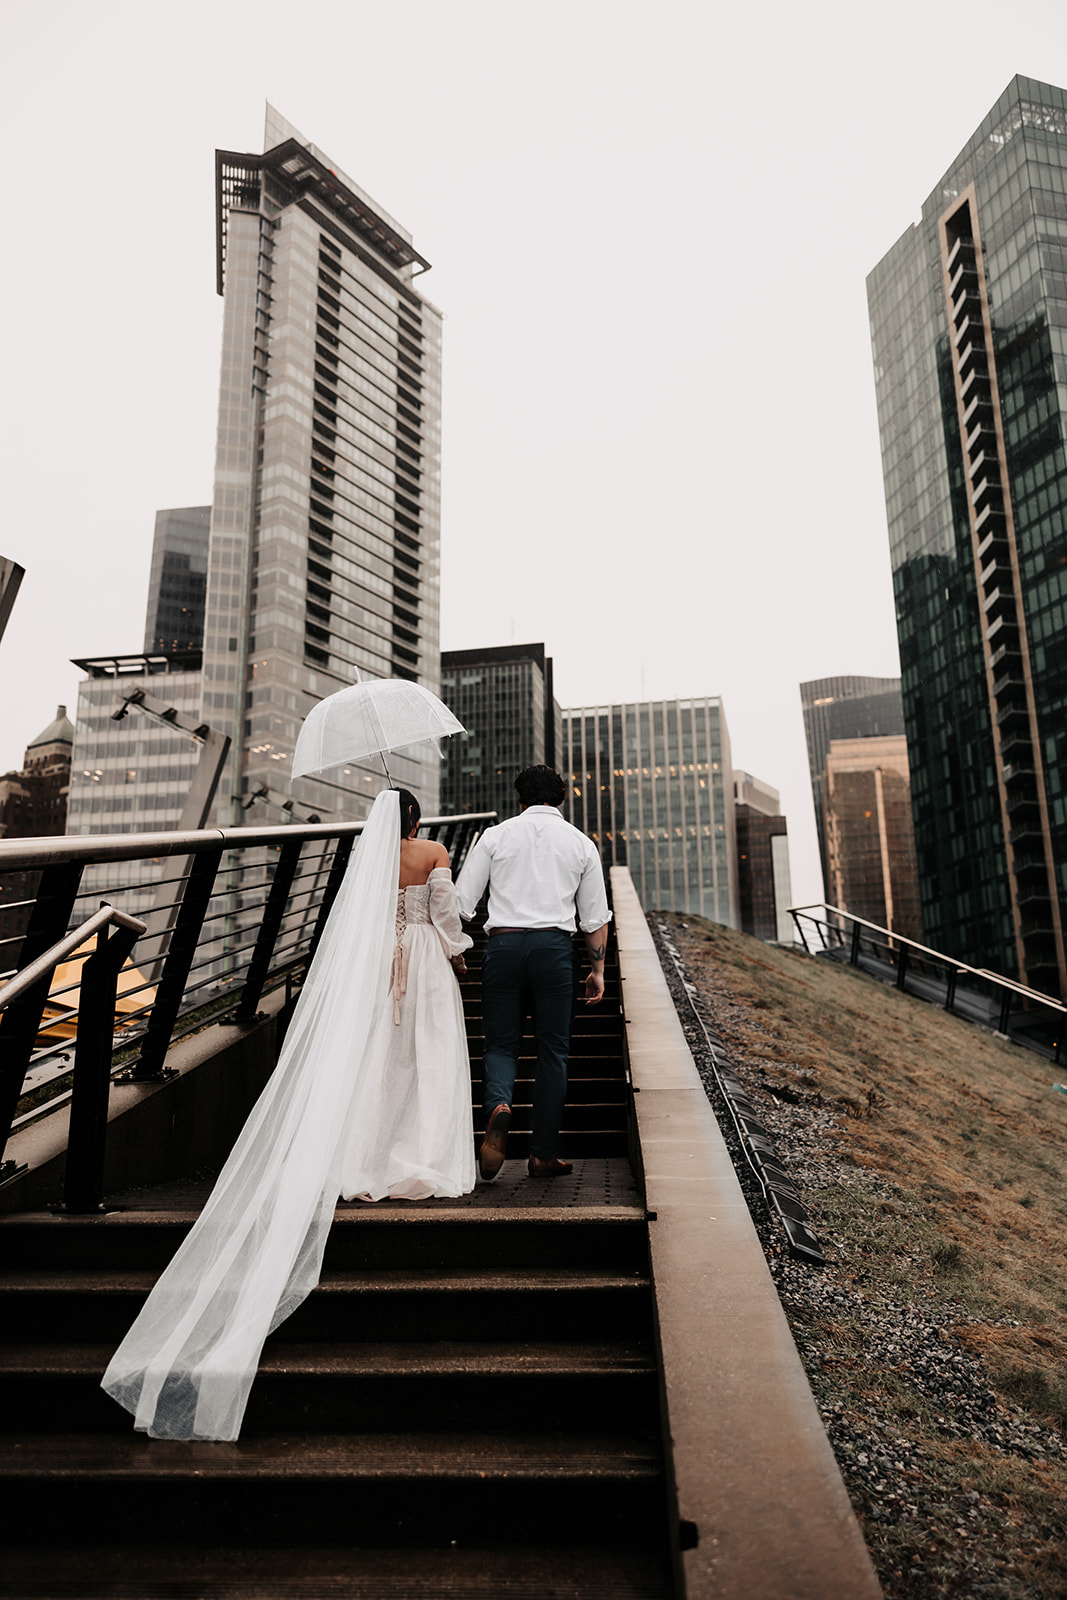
[962,251]
[1020,782]
[998,569]
[1003,630]
[975,383]
[1015,712]
[1015,748]
[984,464]
[986,495]
[990,520]
[967,303]
[982,437]
[1006,655]
[993,541]
[971,358]
[1028,832]
[978,410]
[965,275]
[998,601]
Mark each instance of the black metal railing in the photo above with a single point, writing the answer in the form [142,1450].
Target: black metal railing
[1024,1015]
[226,914]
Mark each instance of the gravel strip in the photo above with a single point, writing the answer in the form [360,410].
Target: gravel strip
[891,1480]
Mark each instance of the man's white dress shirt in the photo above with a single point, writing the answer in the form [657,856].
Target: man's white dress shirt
[538,868]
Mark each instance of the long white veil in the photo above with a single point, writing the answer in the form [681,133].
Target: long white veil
[186,1366]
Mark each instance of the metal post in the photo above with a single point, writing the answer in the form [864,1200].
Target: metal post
[273,912]
[329,895]
[21,1022]
[91,1083]
[800,930]
[950,991]
[1005,1012]
[902,966]
[176,968]
[854,957]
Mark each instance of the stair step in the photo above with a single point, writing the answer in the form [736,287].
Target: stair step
[171,1572]
[540,1303]
[426,1487]
[369,1387]
[441,1236]
[454,1457]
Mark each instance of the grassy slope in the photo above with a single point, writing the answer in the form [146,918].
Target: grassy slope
[971,1130]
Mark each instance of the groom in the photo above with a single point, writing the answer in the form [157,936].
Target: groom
[541,872]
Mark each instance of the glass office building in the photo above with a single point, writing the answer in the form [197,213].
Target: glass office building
[869,838]
[177,584]
[503,697]
[652,785]
[764,891]
[844,708]
[969,332]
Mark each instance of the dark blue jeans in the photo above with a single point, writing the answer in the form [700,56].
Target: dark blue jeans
[539,963]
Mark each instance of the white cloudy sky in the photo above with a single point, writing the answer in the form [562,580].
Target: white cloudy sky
[650,226]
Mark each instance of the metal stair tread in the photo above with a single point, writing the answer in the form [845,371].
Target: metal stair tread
[443,1456]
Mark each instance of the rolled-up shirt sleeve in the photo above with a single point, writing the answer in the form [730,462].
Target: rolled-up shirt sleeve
[470,886]
[592,898]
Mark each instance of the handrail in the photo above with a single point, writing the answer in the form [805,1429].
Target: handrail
[247,904]
[100,847]
[64,947]
[937,955]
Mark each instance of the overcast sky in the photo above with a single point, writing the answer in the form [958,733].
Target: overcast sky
[650,227]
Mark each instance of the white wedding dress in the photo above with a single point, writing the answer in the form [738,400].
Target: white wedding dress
[358,1101]
[409,1128]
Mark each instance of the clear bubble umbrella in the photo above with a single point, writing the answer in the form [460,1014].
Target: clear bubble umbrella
[369,718]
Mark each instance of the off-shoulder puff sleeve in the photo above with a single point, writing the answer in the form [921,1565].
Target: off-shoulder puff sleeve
[444,913]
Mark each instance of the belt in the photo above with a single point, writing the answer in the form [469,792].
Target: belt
[527,930]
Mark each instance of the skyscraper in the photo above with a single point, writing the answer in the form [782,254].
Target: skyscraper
[969,328]
[322,558]
[764,892]
[870,843]
[844,708]
[503,697]
[325,516]
[177,587]
[652,785]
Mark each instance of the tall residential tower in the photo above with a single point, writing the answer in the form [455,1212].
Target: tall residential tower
[969,328]
[325,519]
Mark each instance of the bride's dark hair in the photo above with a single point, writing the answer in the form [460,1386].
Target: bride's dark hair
[410,812]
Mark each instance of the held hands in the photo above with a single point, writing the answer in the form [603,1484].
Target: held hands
[459,966]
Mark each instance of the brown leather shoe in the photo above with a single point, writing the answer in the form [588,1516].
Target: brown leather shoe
[494,1145]
[552,1168]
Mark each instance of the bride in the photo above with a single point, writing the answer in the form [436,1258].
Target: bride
[370,1098]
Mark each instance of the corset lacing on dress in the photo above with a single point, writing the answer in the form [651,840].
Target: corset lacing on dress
[419,912]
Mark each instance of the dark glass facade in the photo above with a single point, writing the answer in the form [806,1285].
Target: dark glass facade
[177,586]
[758,909]
[503,697]
[969,333]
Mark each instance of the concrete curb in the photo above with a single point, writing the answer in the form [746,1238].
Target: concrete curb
[759,1494]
